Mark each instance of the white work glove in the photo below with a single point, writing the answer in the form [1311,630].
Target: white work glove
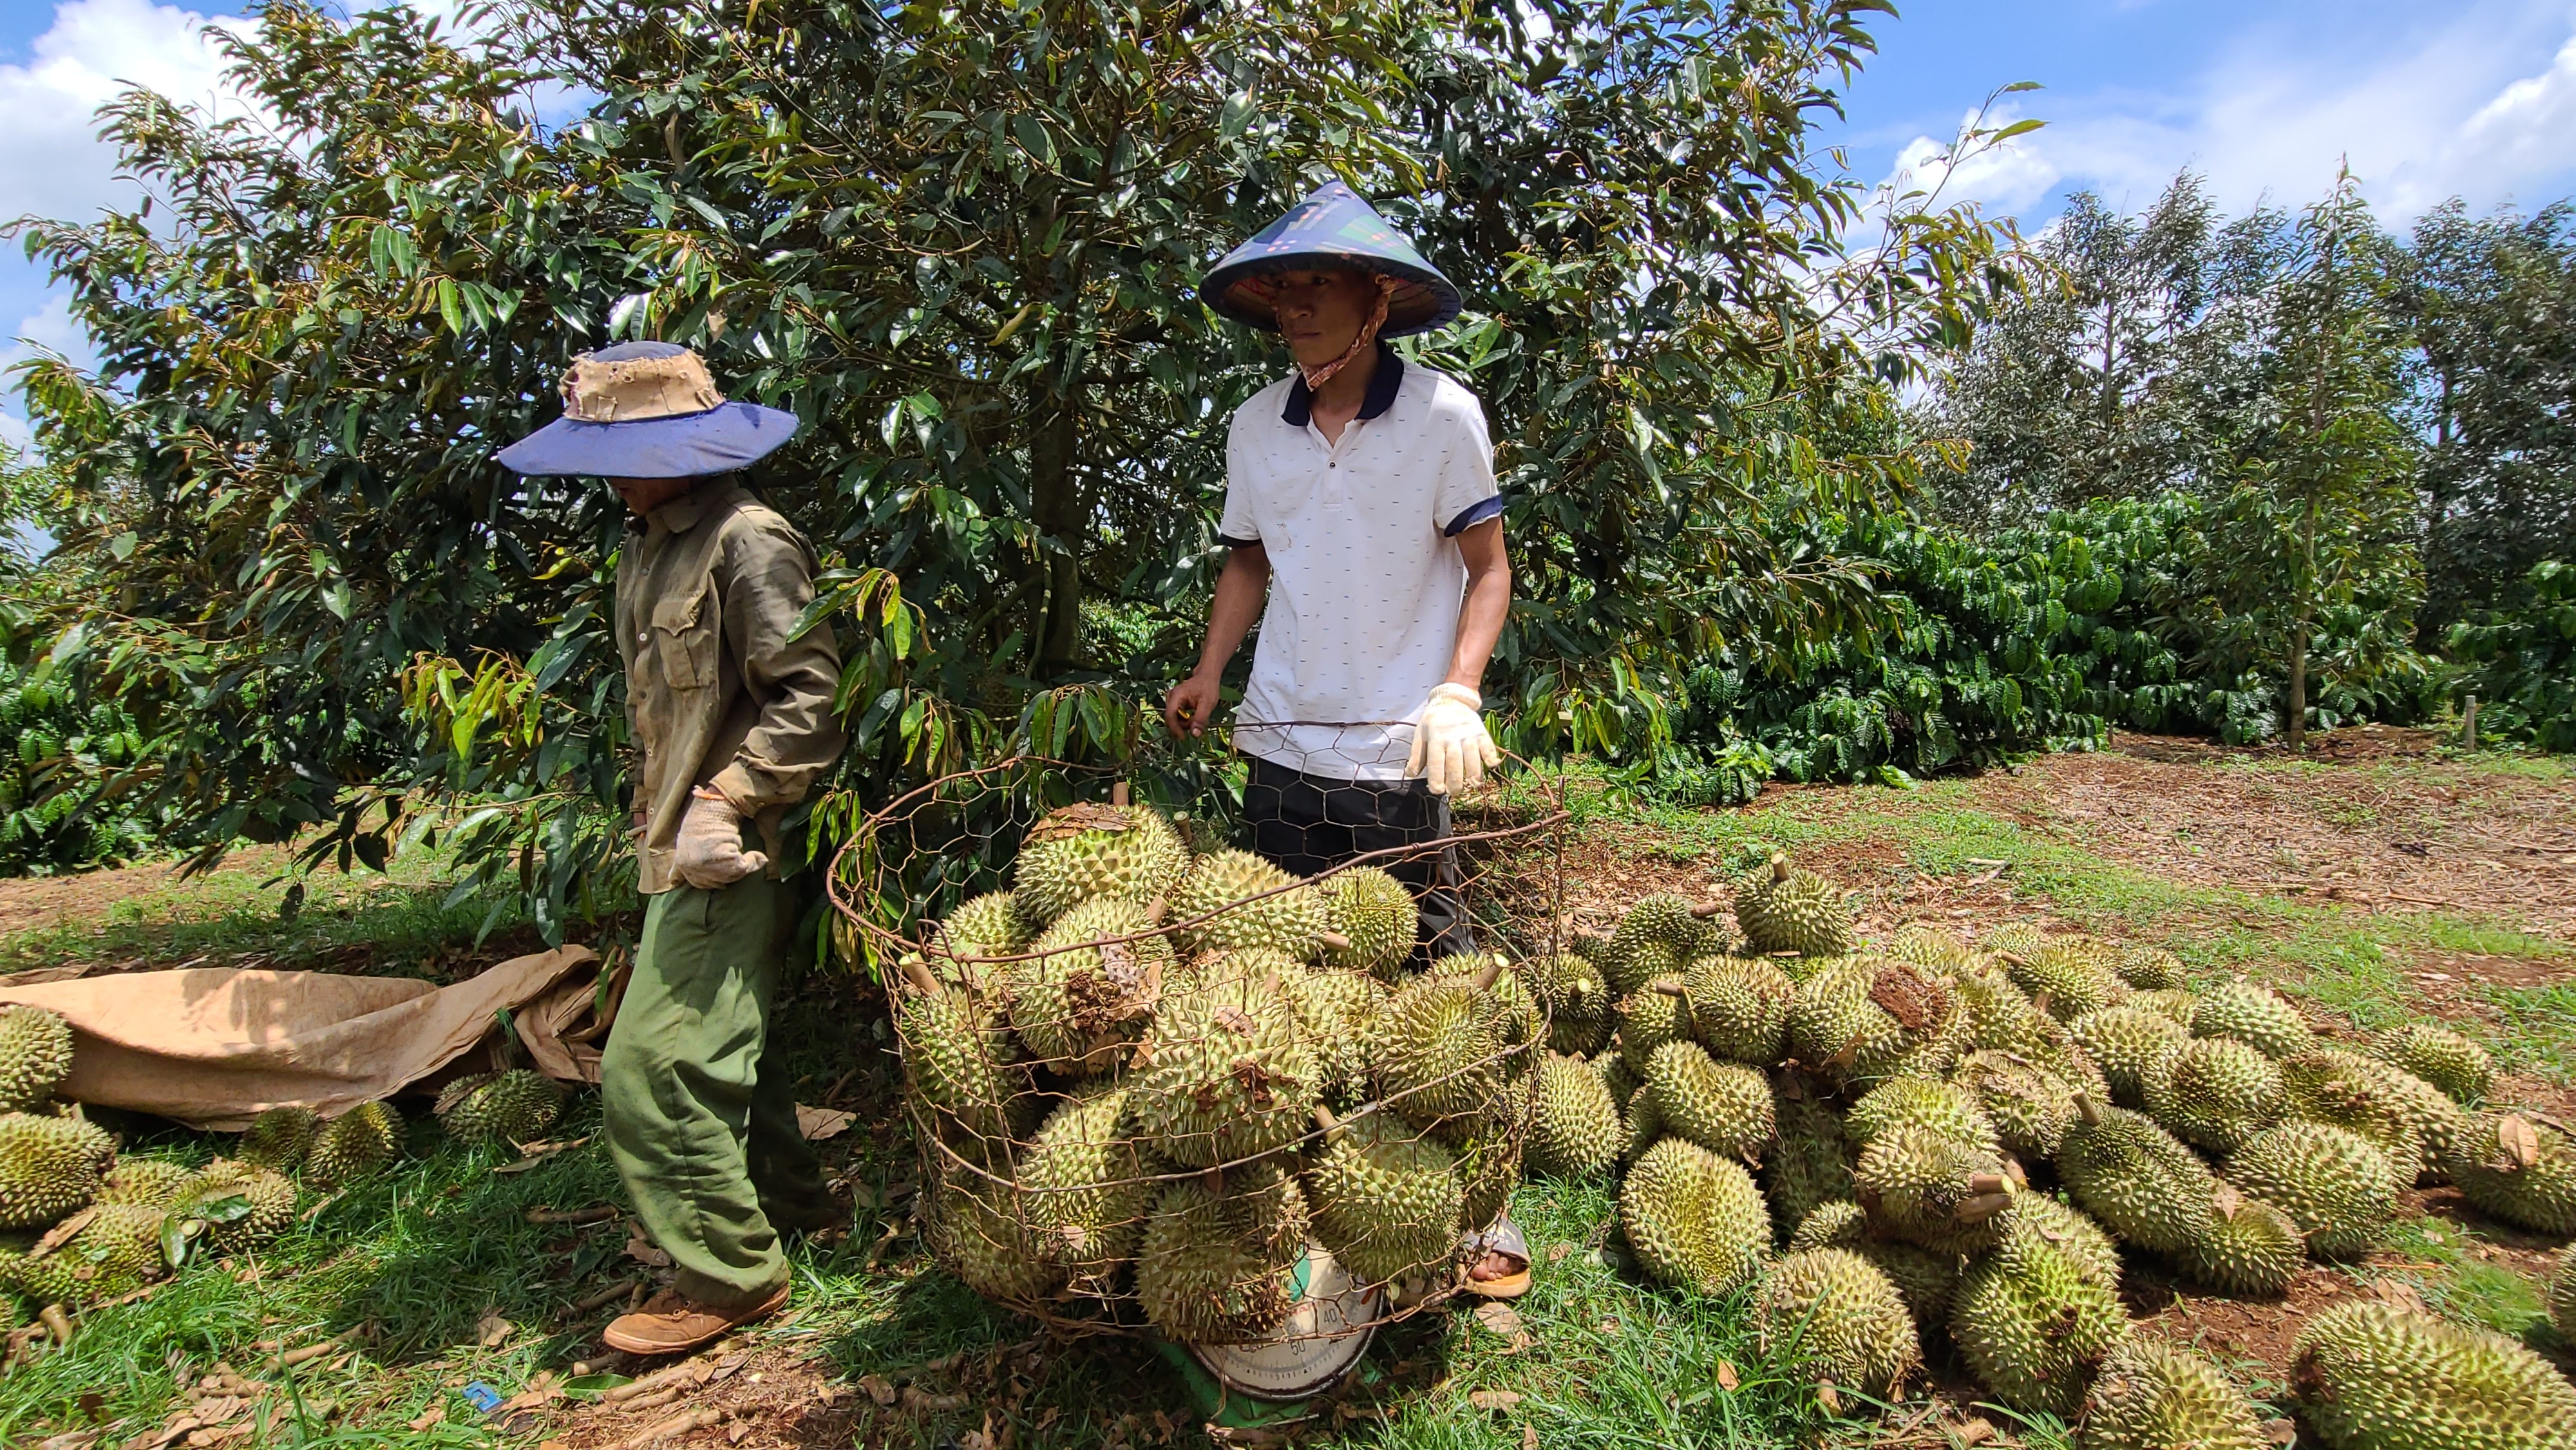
[710,853]
[1450,746]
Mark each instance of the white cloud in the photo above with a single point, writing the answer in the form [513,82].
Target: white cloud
[2456,103]
[51,160]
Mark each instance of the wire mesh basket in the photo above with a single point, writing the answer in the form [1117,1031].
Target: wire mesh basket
[1163,1082]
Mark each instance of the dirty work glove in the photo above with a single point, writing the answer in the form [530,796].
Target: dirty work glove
[1450,746]
[710,853]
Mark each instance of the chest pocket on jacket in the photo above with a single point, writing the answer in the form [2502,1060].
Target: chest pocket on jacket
[684,637]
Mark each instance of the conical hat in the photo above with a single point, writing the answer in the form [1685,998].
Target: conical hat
[1333,227]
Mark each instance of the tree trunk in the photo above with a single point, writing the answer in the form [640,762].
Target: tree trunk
[1056,506]
[2299,626]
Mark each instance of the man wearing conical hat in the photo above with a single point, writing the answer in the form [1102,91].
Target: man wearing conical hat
[733,713]
[1365,532]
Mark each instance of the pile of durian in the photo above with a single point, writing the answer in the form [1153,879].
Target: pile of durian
[80,1225]
[1883,1144]
[1150,1077]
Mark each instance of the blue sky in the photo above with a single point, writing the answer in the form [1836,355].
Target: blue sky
[2468,97]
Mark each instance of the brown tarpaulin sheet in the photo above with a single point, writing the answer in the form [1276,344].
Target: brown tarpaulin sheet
[214,1046]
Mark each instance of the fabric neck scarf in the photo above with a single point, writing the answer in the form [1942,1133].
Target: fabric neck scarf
[1316,377]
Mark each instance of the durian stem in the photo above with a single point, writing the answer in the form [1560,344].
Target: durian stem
[1779,865]
[919,976]
[2085,1109]
[1120,793]
[1707,909]
[1982,1207]
[1332,1128]
[1985,1183]
[1334,940]
[1156,910]
[1492,973]
[58,1323]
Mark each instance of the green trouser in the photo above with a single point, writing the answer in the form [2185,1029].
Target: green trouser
[702,1130]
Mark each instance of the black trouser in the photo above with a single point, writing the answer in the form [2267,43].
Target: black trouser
[1310,823]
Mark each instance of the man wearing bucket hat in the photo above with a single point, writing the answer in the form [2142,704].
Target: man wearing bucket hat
[1360,502]
[733,713]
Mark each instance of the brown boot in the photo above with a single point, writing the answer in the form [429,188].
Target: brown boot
[672,1323]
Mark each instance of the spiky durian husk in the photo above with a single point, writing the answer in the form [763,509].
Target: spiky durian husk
[1387,1197]
[1950,1111]
[1784,909]
[2029,1105]
[2527,1180]
[119,1249]
[1438,1055]
[2138,1180]
[2332,1183]
[1336,1011]
[1695,1220]
[1575,1128]
[2151,1395]
[245,1205]
[355,1144]
[1084,1188]
[1576,998]
[2129,1045]
[1925,1279]
[955,1052]
[979,1230]
[1081,1002]
[1927,946]
[1219,1266]
[1835,1316]
[2071,977]
[2254,1015]
[1087,851]
[1489,1168]
[39,1282]
[1932,1190]
[516,1106]
[35,1056]
[1868,1017]
[1223,1073]
[2216,1093]
[2460,1068]
[1246,902]
[1656,936]
[2069,1230]
[279,1138]
[2034,1327]
[1654,1014]
[991,925]
[2012,939]
[2147,969]
[2248,1247]
[1378,916]
[1739,1008]
[2173,1004]
[1616,1075]
[1724,1107]
[2562,1293]
[2399,1113]
[1811,1164]
[2000,1016]
[150,1182]
[49,1167]
[2371,1376]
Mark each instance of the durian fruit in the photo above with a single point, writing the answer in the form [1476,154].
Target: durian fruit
[516,1106]
[2001,1018]
[2033,1326]
[118,1250]
[2562,1293]
[1923,945]
[953,1051]
[1219,1264]
[2069,977]
[1724,1107]
[2138,1180]
[1739,1008]
[1835,1316]
[2038,1215]
[2249,1247]
[1695,1219]
[2518,1170]
[986,926]
[2014,939]
[1335,1011]
[1811,1163]
[1575,1129]
[2129,1045]
[979,1230]
[1576,998]
[1489,1168]
[1080,852]
[2150,1395]
[1080,1004]
[1246,902]
[2173,1003]
[1784,909]
[2254,1015]
[279,1138]
[1621,1079]
[1374,915]
[2029,1106]
[2370,1376]
[1948,1110]
[2459,1067]
[1933,1190]
[1083,1188]
[2147,969]
[2217,1093]
[1868,1017]
[355,1144]
[35,1056]
[49,1167]
[42,1281]
[1659,934]
[1654,1014]
[1223,1072]
[2330,1182]
[150,1182]
[2400,1114]
[1925,1279]
[1645,1126]
[244,1204]
[1436,1052]
[1386,1197]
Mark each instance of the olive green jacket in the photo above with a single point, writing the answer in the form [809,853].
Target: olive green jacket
[709,587]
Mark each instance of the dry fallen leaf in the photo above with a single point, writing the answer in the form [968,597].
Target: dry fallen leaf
[877,1389]
[1504,1322]
[1829,1397]
[1726,1379]
[1557,1254]
[434,1415]
[1973,1433]
[818,1124]
[492,1330]
[1493,1399]
[1529,1437]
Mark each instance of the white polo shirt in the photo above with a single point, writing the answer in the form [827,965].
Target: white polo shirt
[1365,575]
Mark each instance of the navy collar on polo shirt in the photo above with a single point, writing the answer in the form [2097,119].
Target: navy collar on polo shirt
[1380,396]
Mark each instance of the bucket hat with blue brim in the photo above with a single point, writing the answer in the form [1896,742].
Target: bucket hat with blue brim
[648,410]
[1333,227]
